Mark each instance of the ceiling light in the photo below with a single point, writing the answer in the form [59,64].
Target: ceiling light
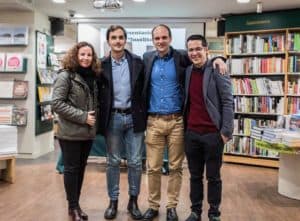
[259,7]
[108,4]
[243,1]
[59,1]
[139,0]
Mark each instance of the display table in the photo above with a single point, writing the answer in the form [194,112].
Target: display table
[289,165]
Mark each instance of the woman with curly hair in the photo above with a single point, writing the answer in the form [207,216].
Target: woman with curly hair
[75,101]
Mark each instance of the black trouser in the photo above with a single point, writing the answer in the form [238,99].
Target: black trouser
[204,150]
[75,154]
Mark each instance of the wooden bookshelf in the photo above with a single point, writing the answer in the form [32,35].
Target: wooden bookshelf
[261,54]
[251,160]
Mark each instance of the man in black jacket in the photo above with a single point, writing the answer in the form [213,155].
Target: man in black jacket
[122,118]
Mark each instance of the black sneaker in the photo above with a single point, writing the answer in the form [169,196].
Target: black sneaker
[193,217]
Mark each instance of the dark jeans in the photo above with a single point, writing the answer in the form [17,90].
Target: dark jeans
[204,151]
[75,154]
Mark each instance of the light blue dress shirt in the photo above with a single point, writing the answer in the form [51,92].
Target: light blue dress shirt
[121,83]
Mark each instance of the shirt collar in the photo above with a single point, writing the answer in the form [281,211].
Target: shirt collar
[114,61]
[201,69]
[168,56]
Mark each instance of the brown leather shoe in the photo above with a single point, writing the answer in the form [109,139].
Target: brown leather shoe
[74,215]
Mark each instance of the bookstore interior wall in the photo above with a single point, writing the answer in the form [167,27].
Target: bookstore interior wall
[264,65]
[18,80]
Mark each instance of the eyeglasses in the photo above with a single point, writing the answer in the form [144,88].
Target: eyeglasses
[198,49]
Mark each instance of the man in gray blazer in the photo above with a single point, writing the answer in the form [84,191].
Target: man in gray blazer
[208,114]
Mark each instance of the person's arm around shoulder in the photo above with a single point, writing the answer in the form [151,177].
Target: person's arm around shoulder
[219,62]
[60,105]
[224,87]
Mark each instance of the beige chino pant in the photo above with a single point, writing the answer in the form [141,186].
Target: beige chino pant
[162,131]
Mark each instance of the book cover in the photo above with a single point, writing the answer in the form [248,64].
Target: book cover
[20,35]
[45,93]
[6,36]
[6,114]
[14,62]
[2,61]
[46,112]
[20,89]
[19,116]
[6,89]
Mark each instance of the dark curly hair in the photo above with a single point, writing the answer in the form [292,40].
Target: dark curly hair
[70,60]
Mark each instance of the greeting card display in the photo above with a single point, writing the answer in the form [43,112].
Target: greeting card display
[14,62]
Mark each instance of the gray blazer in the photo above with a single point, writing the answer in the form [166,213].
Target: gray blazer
[218,98]
[71,100]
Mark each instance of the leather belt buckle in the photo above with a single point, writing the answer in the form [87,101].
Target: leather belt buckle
[122,111]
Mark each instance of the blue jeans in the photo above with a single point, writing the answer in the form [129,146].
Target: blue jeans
[120,135]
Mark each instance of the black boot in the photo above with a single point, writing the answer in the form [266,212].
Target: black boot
[133,208]
[111,211]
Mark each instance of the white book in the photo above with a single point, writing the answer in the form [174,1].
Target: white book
[6,89]
[8,139]
[2,61]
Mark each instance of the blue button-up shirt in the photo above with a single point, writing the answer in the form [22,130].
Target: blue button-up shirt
[121,83]
[166,95]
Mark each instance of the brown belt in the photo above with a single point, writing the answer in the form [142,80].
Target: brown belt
[166,116]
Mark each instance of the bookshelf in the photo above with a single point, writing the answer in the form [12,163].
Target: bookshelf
[46,72]
[264,66]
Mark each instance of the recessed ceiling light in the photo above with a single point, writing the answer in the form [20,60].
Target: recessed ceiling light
[139,0]
[59,1]
[243,1]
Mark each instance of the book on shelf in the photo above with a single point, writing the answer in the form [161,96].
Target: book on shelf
[294,41]
[47,76]
[20,89]
[13,35]
[46,112]
[2,61]
[256,65]
[53,60]
[263,43]
[45,93]
[14,62]
[20,35]
[6,114]
[13,115]
[6,89]
[6,36]
[294,63]
[8,139]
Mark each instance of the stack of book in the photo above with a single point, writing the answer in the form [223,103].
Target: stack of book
[273,135]
[256,132]
[291,138]
[8,139]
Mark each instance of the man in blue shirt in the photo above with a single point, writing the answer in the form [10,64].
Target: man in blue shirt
[122,118]
[164,86]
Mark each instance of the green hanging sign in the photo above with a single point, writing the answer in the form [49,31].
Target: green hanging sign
[264,21]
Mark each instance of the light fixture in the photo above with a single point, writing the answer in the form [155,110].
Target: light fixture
[243,1]
[107,4]
[139,0]
[59,1]
[259,7]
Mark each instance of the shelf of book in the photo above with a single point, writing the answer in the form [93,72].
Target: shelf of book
[257,75]
[260,95]
[268,54]
[265,69]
